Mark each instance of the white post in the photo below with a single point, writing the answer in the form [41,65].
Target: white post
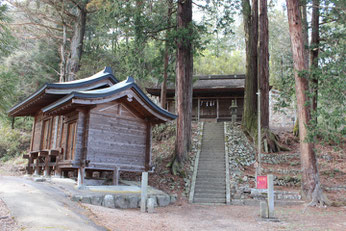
[270,180]
[259,131]
[144,191]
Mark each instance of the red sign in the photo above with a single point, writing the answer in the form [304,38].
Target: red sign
[262,182]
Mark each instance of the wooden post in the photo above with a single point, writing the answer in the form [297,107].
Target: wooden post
[259,132]
[30,161]
[148,147]
[57,169]
[80,179]
[37,167]
[55,137]
[33,134]
[270,180]
[116,176]
[46,165]
[217,109]
[198,108]
[144,191]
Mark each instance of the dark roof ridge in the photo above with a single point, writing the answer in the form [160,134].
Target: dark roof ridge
[100,93]
[105,73]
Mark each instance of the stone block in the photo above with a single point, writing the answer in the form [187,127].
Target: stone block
[108,201]
[151,205]
[77,198]
[173,198]
[120,202]
[96,200]
[163,200]
[86,199]
[133,202]
[263,209]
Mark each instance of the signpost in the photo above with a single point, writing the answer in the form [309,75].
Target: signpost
[266,182]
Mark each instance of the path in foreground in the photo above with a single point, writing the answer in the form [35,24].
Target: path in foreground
[39,206]
[195,217]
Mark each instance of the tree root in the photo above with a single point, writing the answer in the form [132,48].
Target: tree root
[177,168]
[270,142]
[317,197]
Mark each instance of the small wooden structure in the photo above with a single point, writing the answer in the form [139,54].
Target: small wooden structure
[215,97]
[92,124]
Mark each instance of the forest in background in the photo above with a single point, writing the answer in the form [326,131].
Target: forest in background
[40,42]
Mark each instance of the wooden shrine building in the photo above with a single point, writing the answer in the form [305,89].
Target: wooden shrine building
[215,97]
[91,124]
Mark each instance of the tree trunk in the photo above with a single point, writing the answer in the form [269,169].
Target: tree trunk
[263,64]
[315,40]
[76,47]
[251,39]
[305,30]
[63,56]
[166,58]
[184,67]
[311,185]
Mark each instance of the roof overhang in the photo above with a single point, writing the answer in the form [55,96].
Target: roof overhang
[51,92]
[126,90]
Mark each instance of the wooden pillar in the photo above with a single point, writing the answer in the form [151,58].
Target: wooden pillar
[37,167]
[198,108]
[55,137]
[80,179]
[46,165]
[148,147]
[217,109]
[116,176]
[30,162]
[33,134]
[57,169]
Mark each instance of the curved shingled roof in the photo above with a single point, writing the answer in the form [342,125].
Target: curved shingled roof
[51,92]
[129,83]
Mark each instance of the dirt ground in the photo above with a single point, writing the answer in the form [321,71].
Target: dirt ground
[7,223]
[203,217]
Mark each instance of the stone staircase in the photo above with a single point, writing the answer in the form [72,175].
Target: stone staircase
[210,183]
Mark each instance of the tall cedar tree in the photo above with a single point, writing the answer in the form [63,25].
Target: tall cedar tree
[263,64]
[166,56]
[184,68]
[315,40]
[250,15]
[311,185]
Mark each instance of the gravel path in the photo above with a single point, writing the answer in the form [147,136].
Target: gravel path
[39,206]
[186,217]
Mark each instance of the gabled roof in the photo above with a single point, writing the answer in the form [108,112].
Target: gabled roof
[208,83]
[119,90]
[51,92]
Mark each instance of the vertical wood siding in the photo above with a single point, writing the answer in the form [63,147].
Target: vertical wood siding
[116,136]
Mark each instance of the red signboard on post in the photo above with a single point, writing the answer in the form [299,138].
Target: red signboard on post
[262,182]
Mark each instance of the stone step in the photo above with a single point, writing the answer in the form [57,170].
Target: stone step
[211,175]
[216,162]
[219,168]
[209,190]
[212,180]
[201,195]
[210,186]
[210,200]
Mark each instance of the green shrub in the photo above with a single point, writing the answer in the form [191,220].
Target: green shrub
[13,142]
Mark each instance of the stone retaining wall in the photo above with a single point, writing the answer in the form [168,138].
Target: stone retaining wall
[123,201]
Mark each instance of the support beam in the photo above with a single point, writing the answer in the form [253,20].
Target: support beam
[116,176]
[199,108]
[148,147]
[270,180]
[80,179]
[144,191]
[46,166]
[217,109]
